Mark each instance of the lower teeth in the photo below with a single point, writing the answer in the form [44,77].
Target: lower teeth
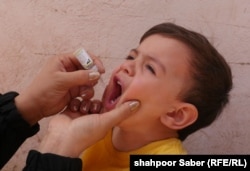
[112,101]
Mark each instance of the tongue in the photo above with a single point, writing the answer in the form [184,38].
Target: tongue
[116,93]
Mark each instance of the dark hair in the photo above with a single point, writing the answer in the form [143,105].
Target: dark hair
[212,77]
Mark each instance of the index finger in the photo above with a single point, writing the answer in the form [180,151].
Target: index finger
[97,62]
[70,62]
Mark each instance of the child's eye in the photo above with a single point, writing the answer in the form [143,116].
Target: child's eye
[130,58]
[151,69]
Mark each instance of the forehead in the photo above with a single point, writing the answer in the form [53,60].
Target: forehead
[167,50]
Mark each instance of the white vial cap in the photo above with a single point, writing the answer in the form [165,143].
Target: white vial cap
[85,60]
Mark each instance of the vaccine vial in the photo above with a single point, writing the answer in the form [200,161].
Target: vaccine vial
[85,60]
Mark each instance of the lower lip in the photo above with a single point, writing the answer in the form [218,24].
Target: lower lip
[111,105]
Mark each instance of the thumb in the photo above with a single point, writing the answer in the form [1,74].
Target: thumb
[80,77]
[115,116]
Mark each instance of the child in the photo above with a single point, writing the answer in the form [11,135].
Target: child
[182,83]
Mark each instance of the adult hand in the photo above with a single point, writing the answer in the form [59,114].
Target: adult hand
[59,81]
[69,136]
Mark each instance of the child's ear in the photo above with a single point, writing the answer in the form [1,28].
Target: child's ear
[182,116]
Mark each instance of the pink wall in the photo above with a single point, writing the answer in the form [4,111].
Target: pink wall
[33,31]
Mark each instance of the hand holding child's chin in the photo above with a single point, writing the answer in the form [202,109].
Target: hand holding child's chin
[70,133]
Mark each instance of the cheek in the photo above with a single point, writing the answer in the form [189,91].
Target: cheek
[148,94]
[154,101]
[137,90]
[147,116]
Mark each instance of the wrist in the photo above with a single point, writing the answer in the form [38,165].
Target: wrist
[56,144]
[28,109]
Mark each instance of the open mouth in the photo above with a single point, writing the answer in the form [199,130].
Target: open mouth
[115,93]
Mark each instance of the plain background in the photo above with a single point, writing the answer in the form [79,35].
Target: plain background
[32,31]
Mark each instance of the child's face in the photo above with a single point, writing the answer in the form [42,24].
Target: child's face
[154,73]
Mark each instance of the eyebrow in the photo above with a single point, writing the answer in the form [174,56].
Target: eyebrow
[151,58]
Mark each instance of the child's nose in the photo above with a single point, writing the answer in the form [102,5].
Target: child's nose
[128,67]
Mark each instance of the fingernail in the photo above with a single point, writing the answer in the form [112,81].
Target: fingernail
[134,105]
[79,98]
[94,75]
[95,106]
[75,108]
[84,108]
[82,96]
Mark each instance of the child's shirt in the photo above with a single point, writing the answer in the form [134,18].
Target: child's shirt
[104,157]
